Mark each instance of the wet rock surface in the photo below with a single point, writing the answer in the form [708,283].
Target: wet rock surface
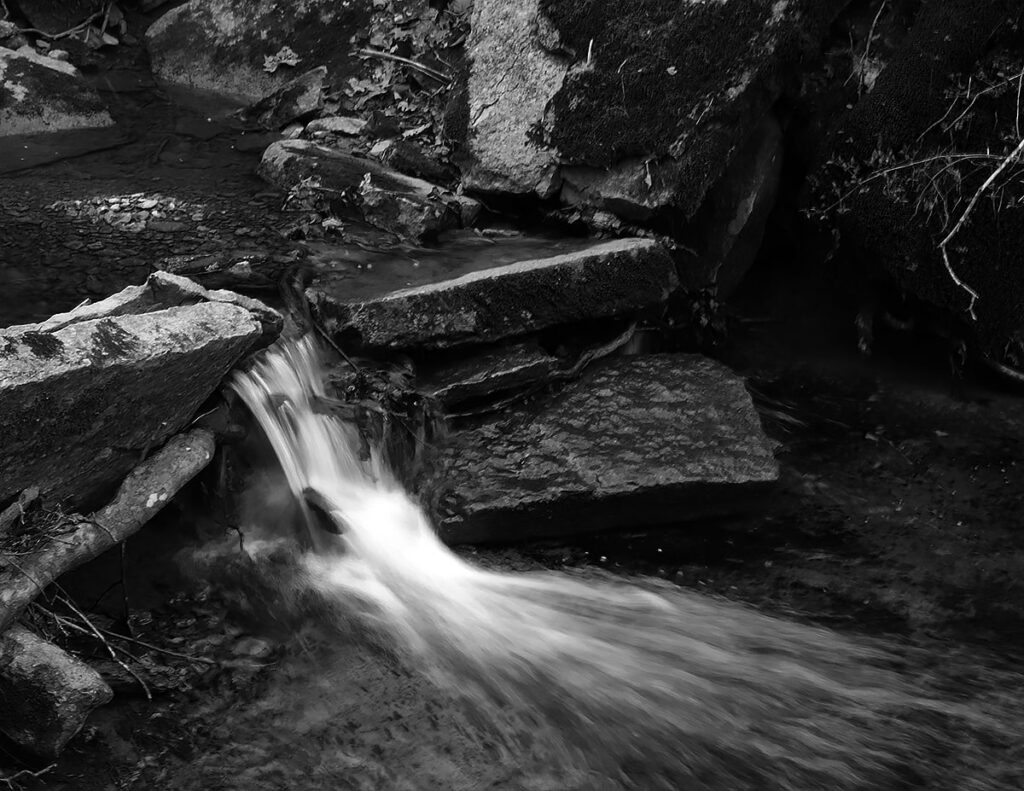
[609,279]
[658,439]
[83,397]
[45,693]
[487,373]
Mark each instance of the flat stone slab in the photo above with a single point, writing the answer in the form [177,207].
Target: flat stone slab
[407,206]
[85,394]
[644,440]
[41,94]
[489,373]
[614,278]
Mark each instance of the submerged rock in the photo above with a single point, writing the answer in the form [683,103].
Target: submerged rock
[85,394]
[43,94]
[645,440]
[233,47]
[615,278]
[45,693]
[407,206]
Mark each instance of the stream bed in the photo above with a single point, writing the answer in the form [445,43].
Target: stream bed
[897,516]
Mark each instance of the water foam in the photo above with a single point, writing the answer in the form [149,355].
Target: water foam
[654,685]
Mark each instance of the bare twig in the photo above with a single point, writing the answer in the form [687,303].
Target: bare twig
[69,32]
[66,601]
[11,781]
[951,158]
[944,244]
[867,47]
[376,53]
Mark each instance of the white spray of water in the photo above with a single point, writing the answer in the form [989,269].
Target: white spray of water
[662,686]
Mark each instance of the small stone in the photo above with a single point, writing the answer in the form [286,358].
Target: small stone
[253,648]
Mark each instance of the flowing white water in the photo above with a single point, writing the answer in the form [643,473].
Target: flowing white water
[649,683]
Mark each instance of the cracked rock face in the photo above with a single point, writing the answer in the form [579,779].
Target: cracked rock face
[649,440]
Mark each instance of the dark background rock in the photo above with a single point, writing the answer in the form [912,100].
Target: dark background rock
[648,440]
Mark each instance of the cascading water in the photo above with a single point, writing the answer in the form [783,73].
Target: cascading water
[645,683]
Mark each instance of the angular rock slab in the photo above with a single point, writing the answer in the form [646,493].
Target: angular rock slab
[385,198]
[40,94]
[222,45]
[614,278]
[83,398]
[644,440]
[45,693]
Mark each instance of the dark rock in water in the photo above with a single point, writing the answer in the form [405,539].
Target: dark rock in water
[42,94]
[45,693]
[230,46]
[300,97]
[642,441]
[488,373]
[84,394]
[639,108]
[614,278]
[407,206]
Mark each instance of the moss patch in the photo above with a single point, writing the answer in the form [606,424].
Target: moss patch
[663,70]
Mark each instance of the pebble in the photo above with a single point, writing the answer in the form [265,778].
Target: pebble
[253,647]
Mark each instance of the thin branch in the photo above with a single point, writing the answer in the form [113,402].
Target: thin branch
[10,781]
[69,32]
[867,46]
[944,244]
[376,53]
[66,601]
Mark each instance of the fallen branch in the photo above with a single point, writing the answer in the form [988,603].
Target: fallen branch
[147,489]
[11,781]
[376,53]
[944,244]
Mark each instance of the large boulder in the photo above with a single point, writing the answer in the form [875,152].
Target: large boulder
[223,46]
[43,94]
[45,693]
[84,395]
[616,278]
[631,109]
[641,441]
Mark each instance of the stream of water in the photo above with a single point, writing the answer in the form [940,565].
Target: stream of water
[640,682]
